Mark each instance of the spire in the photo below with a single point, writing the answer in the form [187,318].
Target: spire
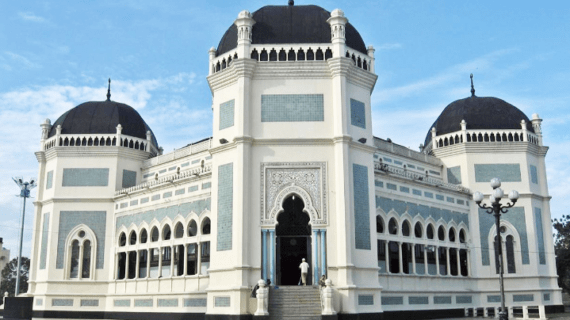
[472,87]
[109,91]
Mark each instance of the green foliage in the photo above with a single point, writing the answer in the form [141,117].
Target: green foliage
[562,250]
[9,272]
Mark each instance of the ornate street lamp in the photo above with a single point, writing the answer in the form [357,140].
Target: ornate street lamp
[25,188]
[496,209]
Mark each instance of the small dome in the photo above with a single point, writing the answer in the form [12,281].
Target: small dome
[102,117]
[479,113]
[289,25]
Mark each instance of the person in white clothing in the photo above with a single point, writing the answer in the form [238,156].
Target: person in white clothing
[304,266]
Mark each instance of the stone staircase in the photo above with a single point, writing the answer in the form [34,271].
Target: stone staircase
[294,303]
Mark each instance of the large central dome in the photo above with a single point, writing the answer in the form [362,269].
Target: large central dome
[291,25]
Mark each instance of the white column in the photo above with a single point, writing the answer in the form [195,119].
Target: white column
[400,256]
[272,255]
[315,262]
[458,261]
[137,263]
[185,262]
[387,256]
[159,262]
[447,271]
[414,259]
[437,260]
[80,273]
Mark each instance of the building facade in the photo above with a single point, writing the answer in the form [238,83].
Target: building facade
[292,171]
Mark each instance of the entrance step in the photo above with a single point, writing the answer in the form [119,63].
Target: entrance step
[294,302]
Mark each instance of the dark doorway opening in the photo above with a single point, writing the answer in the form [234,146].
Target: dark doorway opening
[293,241]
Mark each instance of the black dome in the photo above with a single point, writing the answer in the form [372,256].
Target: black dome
[291,24]
[102,117]
[479,113]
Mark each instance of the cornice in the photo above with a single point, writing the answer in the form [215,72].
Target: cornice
[292,70]
[490,147]
[96,151]
[342,139]
[75,200]
[40,156]
[292,142]
[363,147]
[239,68]
[164,186]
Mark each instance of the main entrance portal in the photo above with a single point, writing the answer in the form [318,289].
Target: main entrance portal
[293,241]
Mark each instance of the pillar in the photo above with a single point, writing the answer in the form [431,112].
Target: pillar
[323,252]
[401,264]
[448,265]
[437,260]
[315,255]
[414,259]
[264,254]
[387,256]
[272,255]
[457,251]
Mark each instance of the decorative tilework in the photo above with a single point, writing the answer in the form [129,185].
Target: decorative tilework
[428,194]
[185,164]
[225,206]
[533,174]
[391,186]
[546,297]
[507,172]
[434,172]
[417,192]
[89,302]
[96,220]
[387,301]
[45,233]
[124,205]
[459,201]
[167,195]
[516,217]
[122,302]
[378,183]
[227,114]
[39,302]
[144,200]
[129,178]
[221,301]
[365,300]
[523,297]
[361,207]
[134,202]
[398,162]
[179,192]
[439,197]
[404,189]
[450,199]
[62,302]
[162,171]
[292,107]
[196,302]
[411,166]
[49,180]
[418,300]
[195,161]
[172,168]
[357,114]
[206,185]
[539,235]
[183,209]
[167,302]
[143,303]
[155,197]
[387,159]
[150,174]
[421,168]
[494,299]
[442,300]
[463,299]
[454,175]
[93,177]
[192,188]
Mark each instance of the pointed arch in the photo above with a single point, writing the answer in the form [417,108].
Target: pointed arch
[289,191]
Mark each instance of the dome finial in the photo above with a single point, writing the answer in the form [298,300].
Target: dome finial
[291,2]
[109,91]
[472,87]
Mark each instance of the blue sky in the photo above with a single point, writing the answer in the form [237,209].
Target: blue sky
[56,55]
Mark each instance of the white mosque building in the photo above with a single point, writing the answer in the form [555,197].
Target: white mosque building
[292,171]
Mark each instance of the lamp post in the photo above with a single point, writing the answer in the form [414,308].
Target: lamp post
[25,188]
[496,209]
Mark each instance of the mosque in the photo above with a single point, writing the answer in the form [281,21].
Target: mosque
[291,171]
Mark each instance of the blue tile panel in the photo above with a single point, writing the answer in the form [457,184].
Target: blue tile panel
[179,192]
[418,300]
[167,195]
[387,301]
[39,301]
[404,189]
[155,197]
[463,299]
[428,194]
[523,297]
[206,185]
[162,171]
[442,300]
[450,199]
[379,183]
[195,161]
[365,300]
[129,178]
[171,212]
[134,202]
[516,216]
[196,302]
[192,188]
[225,206]
[533,174]
[411,166]
[49,180]
[439,197]
[391,186]
[434,172]
[167,302]
[124,205]
[507,172]
[387,159]
[208,157]
[417,192]
[89,302]
[494,299]
[361,207]
[95,220]
[460,201]
[185,164]
[150,174]
[92,177]
[221,301]
[143,303]
[144,200]
[424,211]
[172,168]
[539,235]
[292,107]
[357,114]
[454,175]
[122,302]
[398,162]
[227,114]
[546,297]
[45,233]
[62,302]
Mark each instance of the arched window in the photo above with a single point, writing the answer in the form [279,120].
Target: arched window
[133,238]
[430,231]
[441,233]
[122,239]
[166,232]
[393,226]
[178,230]
[192,228]
[462,236]
[81,250]
[206,226]
[379,224]
[451,235]
[511,266]
[418,230]
[154,234]
[406,228]
[143,236]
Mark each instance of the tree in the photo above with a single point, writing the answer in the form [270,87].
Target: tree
[562,251]
[9,277]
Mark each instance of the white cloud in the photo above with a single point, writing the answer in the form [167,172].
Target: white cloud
[30,16]
[21,60]
[389,46]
